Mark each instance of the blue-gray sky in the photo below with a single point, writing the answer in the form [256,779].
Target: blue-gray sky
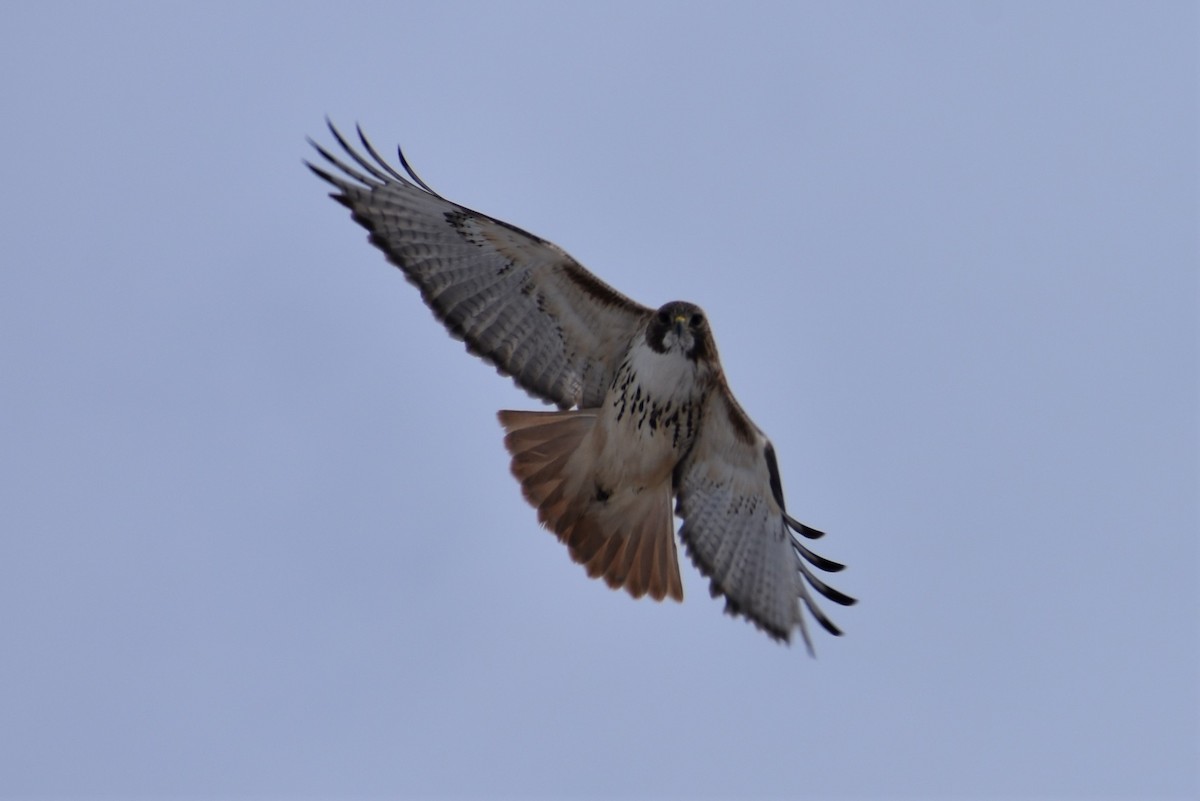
[259,536]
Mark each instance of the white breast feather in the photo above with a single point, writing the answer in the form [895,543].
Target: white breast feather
[669,376]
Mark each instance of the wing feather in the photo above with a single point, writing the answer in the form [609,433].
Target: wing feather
[737,531]
[518,301]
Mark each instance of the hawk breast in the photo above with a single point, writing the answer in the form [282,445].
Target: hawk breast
[658,396]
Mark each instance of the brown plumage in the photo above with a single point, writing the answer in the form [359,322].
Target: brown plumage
[620,535]
[646,417]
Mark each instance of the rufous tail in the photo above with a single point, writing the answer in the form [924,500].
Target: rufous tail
[622,534]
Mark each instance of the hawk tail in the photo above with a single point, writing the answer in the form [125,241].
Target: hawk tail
[623,535]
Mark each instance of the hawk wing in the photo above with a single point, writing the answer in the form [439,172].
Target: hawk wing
[518,301]
[737,530]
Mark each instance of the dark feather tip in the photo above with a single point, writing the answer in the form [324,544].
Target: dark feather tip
[804,531]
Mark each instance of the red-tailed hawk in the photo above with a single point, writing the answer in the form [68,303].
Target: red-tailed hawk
[645,412]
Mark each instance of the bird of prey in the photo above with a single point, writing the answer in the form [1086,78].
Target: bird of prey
[645,414]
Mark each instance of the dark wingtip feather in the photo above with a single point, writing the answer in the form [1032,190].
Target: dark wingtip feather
[383,175]
[819,614]
[413,173]
[837,596]
[377,166]
[346,169]
[829,626]
[329,178]
[828,565]
[804,531]
[320,173]
[362,137]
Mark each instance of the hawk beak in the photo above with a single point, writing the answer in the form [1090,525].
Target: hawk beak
[680,324]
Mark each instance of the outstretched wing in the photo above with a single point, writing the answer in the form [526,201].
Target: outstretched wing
[518,301]
[737,530]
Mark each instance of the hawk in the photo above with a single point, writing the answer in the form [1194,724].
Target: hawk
[645,414]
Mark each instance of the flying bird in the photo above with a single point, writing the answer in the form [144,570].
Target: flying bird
[644,412]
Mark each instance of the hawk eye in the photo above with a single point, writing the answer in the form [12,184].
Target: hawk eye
[697,319]
[664,318]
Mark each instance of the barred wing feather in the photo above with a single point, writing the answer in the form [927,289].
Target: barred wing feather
[737,530]
[518,301]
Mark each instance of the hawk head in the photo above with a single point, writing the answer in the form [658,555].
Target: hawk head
[682,327]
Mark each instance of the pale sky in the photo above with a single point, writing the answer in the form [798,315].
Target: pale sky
[260,538]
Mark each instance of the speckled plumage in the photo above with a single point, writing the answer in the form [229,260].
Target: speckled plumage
[646,413]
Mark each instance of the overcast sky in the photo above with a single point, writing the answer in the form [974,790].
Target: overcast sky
[259,534]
